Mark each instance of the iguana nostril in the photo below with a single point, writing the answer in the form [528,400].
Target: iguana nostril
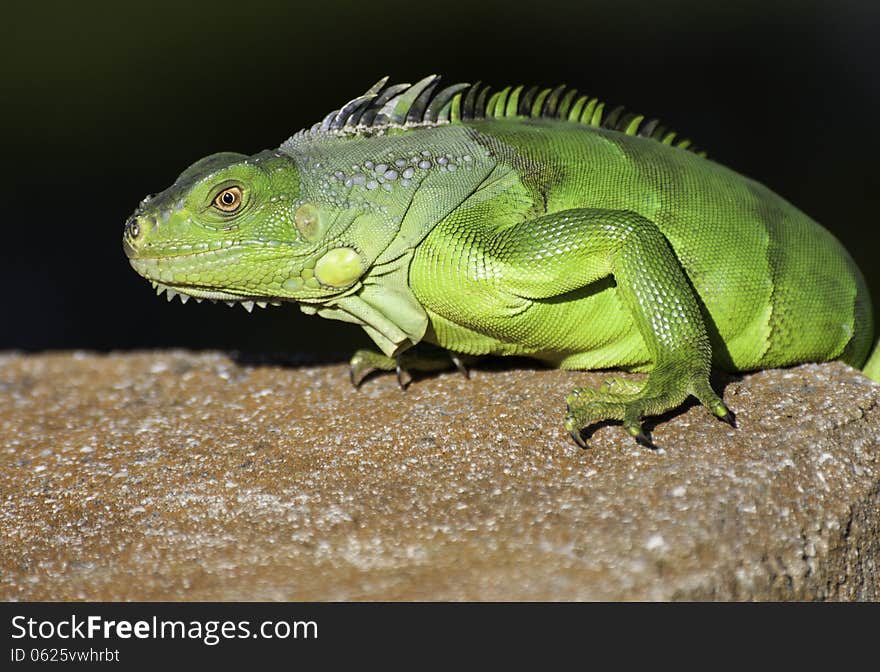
[134,228]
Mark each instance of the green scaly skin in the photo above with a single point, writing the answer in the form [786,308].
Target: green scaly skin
[519,223]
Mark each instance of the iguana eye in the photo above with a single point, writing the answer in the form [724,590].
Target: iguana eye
[228,200]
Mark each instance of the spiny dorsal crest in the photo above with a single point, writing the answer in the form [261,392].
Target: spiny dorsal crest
[425,103]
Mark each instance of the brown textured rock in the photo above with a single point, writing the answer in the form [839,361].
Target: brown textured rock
[180,476]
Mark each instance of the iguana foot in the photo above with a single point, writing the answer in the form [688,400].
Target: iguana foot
[365,362]
[630,401]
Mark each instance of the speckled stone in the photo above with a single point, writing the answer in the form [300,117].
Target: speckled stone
[181,476]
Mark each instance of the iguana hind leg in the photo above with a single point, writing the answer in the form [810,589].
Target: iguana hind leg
[554,254]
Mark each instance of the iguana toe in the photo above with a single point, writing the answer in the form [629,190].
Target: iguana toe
[365,362]
[622,385]
[706,395]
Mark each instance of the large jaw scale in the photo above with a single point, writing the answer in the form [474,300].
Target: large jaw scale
[200,295]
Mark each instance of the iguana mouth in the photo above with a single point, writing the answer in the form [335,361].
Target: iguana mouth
[146,267]
[200,294]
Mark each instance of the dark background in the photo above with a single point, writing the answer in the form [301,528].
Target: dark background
[102,103]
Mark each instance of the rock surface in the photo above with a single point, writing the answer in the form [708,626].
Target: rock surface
[181,476]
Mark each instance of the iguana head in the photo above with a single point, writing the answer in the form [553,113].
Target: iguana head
[234,228]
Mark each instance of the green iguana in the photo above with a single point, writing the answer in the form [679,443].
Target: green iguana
[520,222]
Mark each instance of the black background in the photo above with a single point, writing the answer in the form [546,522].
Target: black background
[105,102]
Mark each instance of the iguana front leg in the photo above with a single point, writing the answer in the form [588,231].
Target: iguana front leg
[558,253]
[424,359]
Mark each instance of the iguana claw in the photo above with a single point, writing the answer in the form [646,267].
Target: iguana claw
[729,418]
[577,438]
[404,378]
[459,365]
[574,430]
[644,440]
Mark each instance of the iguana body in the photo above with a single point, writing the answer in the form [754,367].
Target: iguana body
[527,223]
